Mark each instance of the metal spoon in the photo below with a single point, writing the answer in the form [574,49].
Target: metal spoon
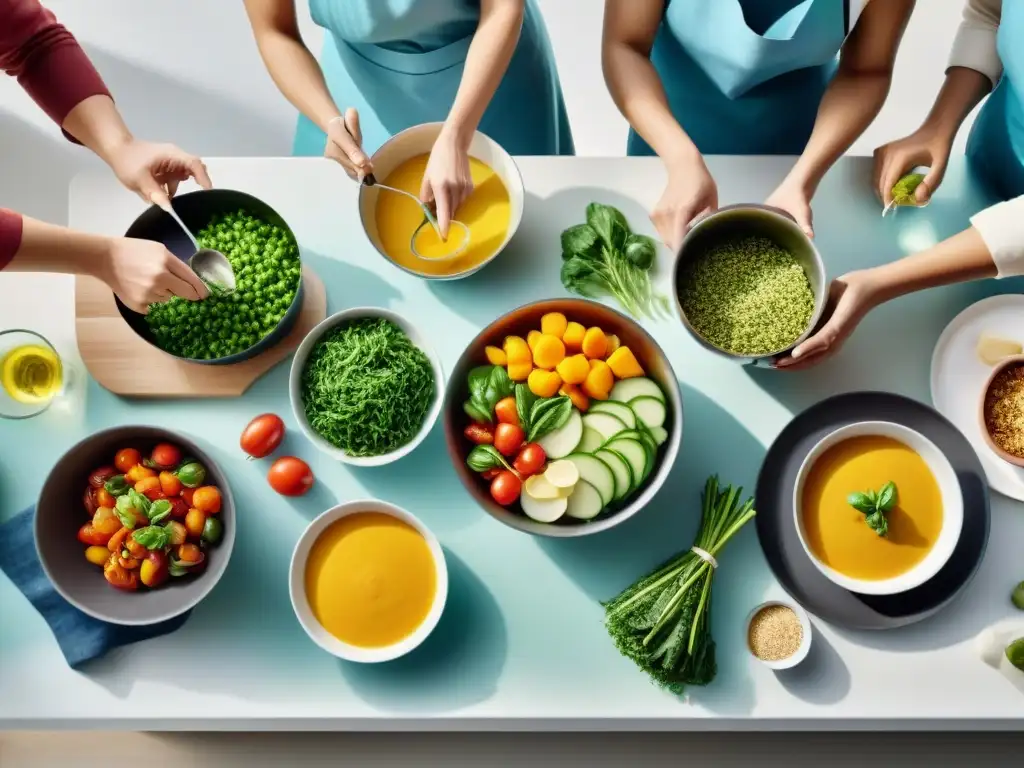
[428,217]
[212,267]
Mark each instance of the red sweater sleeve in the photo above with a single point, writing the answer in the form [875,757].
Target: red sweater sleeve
[10,235]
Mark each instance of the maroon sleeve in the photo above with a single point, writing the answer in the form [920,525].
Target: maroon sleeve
[10,235]
[45,57]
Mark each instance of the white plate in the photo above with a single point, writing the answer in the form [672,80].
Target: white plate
[958,377]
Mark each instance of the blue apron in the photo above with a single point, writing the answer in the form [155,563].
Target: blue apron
[996,145]
[400,62]
[745,77]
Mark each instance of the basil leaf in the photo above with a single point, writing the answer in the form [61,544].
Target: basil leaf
[125,511]
[548,415]
[478,381]
[500,385]
[116,486]
[139,501]
[861,502]
[524,405]
[159,511]
[485,457]
[175,569]
[476,412]
[876,522]
[887,497]
[152,537]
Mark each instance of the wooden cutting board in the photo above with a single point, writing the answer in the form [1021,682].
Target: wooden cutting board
[126,365]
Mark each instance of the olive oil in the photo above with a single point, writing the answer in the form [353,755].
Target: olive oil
[31,374]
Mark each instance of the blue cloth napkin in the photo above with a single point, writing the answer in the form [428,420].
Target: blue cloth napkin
[81,637]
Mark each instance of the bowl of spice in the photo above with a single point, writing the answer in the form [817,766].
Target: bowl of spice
[779,634]
[749,284]
[1002,410]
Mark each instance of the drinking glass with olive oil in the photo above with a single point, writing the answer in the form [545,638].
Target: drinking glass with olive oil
[31,374]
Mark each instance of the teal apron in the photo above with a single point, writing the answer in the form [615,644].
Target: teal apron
[400,62]
[996,145]
[745,77]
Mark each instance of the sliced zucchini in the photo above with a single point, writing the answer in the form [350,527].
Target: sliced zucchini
[585,502]
[649,410]
[606,425]
[594,472]
[635,455]
[543,510]
[631,389]
[660,434]
[562,474]
[540,488]
[591,441]
[621,469]
[621,411]
[563,441]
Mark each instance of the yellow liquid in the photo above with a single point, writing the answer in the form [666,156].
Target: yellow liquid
[370,580]
[837,533]
[486,212]
[31,374]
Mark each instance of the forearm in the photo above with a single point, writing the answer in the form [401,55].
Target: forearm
[49,248]
[488,58]
[97,124]
[298,76]
[961,92]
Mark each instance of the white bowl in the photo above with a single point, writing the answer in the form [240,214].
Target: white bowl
[952,507]
[419,140]
[805,641]
[300,603]
[299,363]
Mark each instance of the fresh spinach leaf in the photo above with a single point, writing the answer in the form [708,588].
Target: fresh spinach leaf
[547,415]
[578,240]
[485,457]
[524,404]
[641,251]
[609,224]
[476,412]
[152,537]
[478,381]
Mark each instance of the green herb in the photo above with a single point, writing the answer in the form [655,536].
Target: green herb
[662,622]
[747,295]
[604,258]
[875,506]
[547,415]
[192,475]
[116,486]
[152,537]
[128,504]
[265,260]
[487,385]
[525,400]
[903,191]
[159,511]
[366,388]
[180,567]
[213,530]
[485,457]
[1017,596]
[1015,653]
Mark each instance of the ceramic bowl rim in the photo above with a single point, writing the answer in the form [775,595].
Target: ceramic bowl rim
[1003,365]
[805,642]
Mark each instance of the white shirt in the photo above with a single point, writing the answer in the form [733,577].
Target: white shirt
[1002,225]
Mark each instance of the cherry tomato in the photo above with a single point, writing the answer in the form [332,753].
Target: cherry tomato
[190,553]
[290,476]
[154,570]
[194,522]
[127,458]
[137,473]
[170,484]
[147,486]
[479,434]
[89,500]
[505,488]
[178,533]
[262,435]
[490,474]
[530,459]
[106,522]
[97,555]
[165,456]
[179,508]
[100,476]
[120,577]
[508,438]
[506,411]
[104,498]
[187,494]
[89,536]
[135,549]
[207,500]
[116,542]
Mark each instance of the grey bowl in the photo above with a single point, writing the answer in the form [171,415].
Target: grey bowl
[59,515]
[766,221]
[196,209]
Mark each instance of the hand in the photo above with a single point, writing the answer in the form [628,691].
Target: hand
[925,148]
[850,299]
[153,171]
[794,200]
[142,272]
[690,192]
[345,145]
[446,181]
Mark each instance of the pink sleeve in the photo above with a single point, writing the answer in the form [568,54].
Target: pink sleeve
[10,235]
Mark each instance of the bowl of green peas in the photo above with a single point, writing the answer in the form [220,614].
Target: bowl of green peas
[226,327]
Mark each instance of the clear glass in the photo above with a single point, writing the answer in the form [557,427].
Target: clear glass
[25,359]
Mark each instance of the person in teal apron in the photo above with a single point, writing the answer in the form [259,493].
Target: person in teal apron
[747,77]
[473,64]
[989,50]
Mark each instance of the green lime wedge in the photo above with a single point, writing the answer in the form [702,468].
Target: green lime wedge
[1015,653]
[1017,596]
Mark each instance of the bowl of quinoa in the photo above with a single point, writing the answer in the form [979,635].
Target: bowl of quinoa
[749,284]
[1002,410]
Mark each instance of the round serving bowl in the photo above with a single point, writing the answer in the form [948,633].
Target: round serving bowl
[419,140]
[1016,361]
[805,642]
[300,602]
[949,489]
[760,220]
[299,363]
[196,209]
[59,515]
[519,322]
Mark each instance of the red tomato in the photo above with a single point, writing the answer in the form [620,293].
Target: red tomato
[105,522]
[508,438]
[170,484]
[89,500]
[89,536]
[120,577]
[506,411]
[100,476]
[148,486]
[179,508]
[103,498]
[505,488]
[480,434]
[165,456]
[207,499]
[290,476]
[530,459]
[154,570]
[262,435]
[127,458]
[490,474]
[187,494]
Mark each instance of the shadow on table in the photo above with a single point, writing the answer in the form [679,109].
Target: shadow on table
[457,666]
[349,285]
[822,678]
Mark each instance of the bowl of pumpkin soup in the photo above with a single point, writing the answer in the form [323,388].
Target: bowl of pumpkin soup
[488,218]
[878,508]
[368,581]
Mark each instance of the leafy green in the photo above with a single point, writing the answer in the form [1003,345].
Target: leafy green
[485,457]
[159,511]
[580,239]
[128,504]
[662,622]
[875,506]
[152,537]
[116,486]
[641,250]
[525,400]
[609,224]
[487,385]
[547,415]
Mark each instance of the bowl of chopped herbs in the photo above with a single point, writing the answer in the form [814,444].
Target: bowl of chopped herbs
[749,284]
[365,386]
[227,327]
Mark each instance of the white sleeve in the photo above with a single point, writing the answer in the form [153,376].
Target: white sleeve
[975,44]
[1002,229]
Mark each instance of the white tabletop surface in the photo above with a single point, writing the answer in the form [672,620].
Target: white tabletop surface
[535,655]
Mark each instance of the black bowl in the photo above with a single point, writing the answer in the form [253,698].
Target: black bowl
[196,209]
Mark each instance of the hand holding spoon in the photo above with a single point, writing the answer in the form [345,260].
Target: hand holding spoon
[212,266]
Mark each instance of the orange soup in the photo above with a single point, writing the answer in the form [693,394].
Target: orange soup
[838,535]
[370,579]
